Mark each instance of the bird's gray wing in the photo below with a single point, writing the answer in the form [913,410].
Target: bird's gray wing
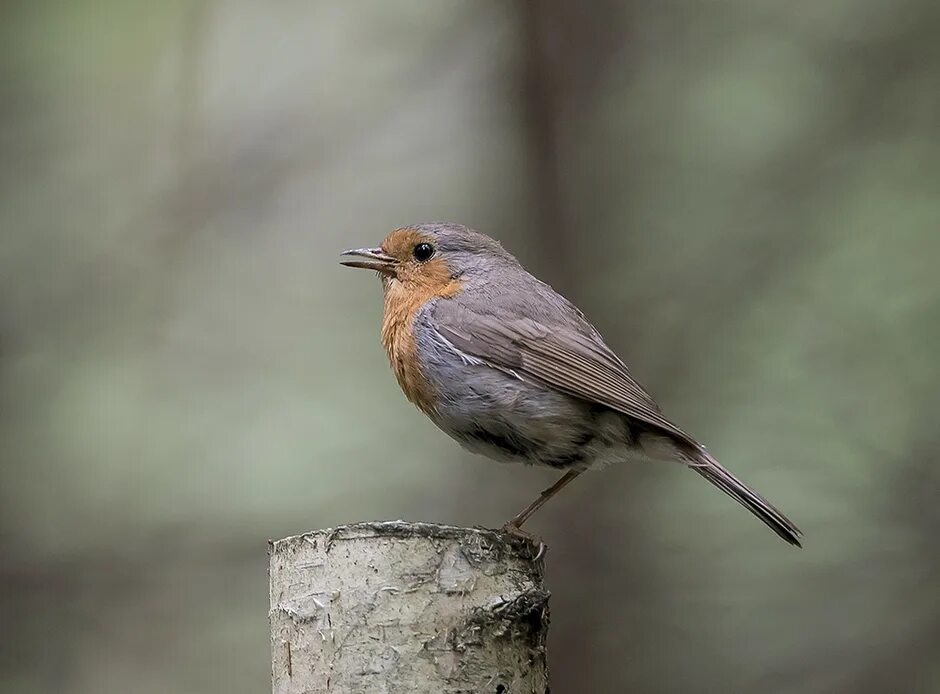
[572,359]
[570,356]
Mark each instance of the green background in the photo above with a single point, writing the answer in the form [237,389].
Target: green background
[743,195]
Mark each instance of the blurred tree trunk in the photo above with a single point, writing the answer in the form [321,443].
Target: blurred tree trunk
[566,50]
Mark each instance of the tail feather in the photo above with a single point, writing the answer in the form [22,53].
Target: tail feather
[711,469]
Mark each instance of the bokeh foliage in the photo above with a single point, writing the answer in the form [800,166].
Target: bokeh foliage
[744,196]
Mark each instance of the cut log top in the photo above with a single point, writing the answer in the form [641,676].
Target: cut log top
[407,607]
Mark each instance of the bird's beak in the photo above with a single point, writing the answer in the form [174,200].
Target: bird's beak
[373,259]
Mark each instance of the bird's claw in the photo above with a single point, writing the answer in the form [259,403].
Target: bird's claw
[511,528]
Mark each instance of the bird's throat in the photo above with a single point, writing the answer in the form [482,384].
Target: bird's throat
[398,338]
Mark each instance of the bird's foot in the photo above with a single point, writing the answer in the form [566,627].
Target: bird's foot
[511,528]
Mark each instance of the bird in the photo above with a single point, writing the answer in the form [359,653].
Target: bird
[514,371]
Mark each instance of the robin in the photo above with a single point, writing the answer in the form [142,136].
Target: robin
[512,370]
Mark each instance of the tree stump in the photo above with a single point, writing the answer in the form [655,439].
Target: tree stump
[407,607]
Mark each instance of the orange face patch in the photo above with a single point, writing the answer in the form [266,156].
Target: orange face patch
[413,285]
[428,279]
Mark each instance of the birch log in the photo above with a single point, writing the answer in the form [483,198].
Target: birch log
[407,607]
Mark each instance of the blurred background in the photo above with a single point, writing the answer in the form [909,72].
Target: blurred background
[744,196]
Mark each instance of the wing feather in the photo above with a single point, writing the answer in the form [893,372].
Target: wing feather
[574,361]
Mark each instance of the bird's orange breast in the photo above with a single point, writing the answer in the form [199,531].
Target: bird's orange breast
[402,303]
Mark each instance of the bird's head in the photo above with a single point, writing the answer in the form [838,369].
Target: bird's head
[433,259]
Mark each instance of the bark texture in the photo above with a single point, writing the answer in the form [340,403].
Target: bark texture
[407,607]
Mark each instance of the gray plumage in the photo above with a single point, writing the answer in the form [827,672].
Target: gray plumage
[544,388]
[519,374]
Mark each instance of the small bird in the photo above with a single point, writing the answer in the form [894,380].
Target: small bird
[512,370]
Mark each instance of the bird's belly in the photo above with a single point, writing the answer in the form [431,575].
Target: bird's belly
[560,454]
[506,419]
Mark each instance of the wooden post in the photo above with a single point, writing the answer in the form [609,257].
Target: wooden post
[390,607]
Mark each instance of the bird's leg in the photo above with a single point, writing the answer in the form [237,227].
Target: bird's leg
[523,515]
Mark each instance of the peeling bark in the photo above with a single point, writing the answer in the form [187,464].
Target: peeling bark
[407,607]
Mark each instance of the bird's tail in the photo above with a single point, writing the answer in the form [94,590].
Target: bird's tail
[709,468]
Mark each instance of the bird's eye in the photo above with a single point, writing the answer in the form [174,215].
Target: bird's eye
[423,252]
